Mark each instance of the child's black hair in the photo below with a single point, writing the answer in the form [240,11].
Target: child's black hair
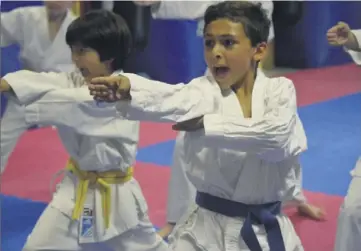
[105,32]
[251,15]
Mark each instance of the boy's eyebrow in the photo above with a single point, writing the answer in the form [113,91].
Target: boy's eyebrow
[221,36]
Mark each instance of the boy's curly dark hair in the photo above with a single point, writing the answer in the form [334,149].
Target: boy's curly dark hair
[251,15]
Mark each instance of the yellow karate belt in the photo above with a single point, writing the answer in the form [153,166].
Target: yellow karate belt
[103,179]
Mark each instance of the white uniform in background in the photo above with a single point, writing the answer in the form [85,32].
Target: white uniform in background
[28,27]
[252,161]
[195,10]
[97,144]
[181,191]
[348,237]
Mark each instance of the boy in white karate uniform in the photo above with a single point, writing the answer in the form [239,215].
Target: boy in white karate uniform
[243,136]
[181,191]
[40,33]
[98,205]
[348,236]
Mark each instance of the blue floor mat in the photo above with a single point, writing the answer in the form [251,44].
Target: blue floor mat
[334,131]
[18,217]
[160,154]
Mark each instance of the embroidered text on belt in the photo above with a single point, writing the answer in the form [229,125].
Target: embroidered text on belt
[103,180]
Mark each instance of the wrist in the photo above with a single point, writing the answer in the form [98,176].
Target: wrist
[123,89]
[352,43]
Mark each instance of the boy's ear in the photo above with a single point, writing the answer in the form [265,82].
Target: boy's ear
[108,62]
[260,51]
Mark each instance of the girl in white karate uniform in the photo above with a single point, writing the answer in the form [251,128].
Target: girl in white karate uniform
[348,236]
[40,33]
[181,191]
[243,136]
[98,205]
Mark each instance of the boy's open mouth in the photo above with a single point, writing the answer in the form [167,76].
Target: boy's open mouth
[221,71]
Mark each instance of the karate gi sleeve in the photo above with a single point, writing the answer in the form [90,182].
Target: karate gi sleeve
[27,86]
[13,125]
[356,55]
[160,102]
[11,31]
[181,9]
[75,108]
[181,191]
[297,196]
[274,137]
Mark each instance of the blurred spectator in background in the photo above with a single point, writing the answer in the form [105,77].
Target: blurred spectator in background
[40,33]
[137,18]
[194,10]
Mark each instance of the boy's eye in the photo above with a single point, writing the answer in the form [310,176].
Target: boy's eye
[228,42]
[80,51]
[208,43]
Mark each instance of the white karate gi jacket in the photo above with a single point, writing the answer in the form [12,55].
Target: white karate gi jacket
[97,143]
[253,161]
[28,27]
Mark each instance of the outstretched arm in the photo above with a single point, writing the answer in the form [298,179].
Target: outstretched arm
[75,108]
[27,86]
[148,100]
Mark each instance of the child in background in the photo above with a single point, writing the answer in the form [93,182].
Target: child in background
[348,235]
[40,33]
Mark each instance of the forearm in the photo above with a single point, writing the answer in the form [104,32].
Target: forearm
[354,41]
[160,102]
[27,86]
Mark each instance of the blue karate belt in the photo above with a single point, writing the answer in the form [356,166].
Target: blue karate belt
[263,214]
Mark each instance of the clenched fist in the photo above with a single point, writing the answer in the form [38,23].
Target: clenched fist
[110,89]
[339,34]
